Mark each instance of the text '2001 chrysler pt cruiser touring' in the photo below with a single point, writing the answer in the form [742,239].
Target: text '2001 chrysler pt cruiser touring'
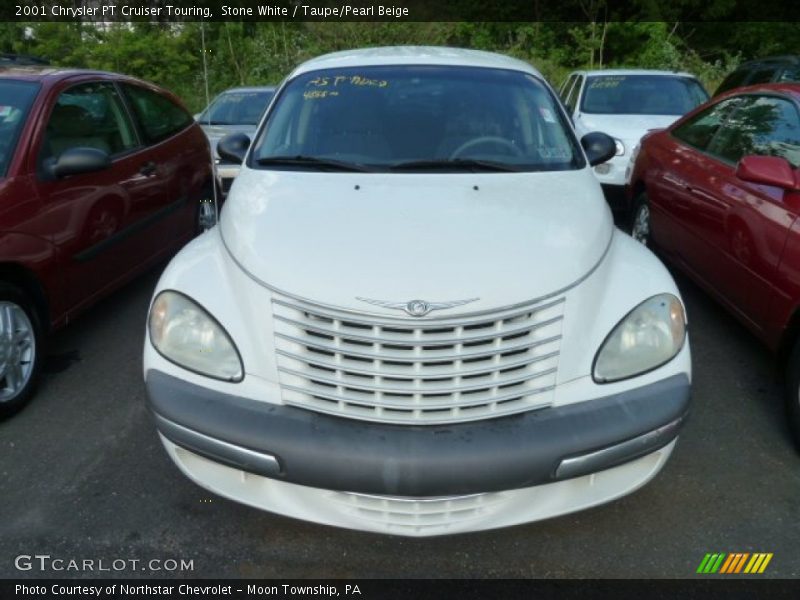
[416,316]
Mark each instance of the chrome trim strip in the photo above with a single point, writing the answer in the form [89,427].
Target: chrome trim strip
[422,342]
[412,499]
[410,408]
[402,320]
[389,356]
[487,370]
[430,389]
[217,450]
[619,453]
[417,323]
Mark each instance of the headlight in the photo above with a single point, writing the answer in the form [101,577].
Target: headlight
[619,146]
[649,336]
[187,335]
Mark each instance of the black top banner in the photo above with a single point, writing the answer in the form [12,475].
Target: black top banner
[107,11]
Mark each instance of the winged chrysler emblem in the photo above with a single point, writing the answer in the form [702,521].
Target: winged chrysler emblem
[417,308]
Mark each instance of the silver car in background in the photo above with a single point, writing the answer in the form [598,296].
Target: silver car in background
[237,110]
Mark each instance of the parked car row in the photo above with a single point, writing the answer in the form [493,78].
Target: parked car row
[415,315]
[717,192]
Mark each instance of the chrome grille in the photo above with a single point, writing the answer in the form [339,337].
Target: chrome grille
[418,514]
[406,370]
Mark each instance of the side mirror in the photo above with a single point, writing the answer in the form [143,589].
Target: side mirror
[75,161]
[599,147]
[197,116]
[233,147]
[768,170]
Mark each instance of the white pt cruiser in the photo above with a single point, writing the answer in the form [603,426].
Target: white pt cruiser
[415,315]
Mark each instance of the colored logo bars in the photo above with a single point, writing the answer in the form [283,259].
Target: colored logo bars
[741,562]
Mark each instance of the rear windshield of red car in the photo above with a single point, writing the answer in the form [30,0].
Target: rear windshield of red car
[16,98]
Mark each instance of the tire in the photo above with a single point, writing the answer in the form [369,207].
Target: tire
[206,214]
[640,220]
[793,393]
[21,349]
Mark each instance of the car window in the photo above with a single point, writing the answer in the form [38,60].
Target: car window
[88,115]
[764,75]
[790,74]
[734,80]
[383,116]
[641,95]
[765,126]
[572,99]
[237,108]
[158,116]
[698,130]
[16,98]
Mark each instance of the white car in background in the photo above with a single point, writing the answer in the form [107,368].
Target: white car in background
[416,316]
[237,110]
[625,104]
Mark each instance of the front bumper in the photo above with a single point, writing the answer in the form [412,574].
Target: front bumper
[303,448]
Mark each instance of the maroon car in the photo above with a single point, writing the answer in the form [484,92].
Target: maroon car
[719,193]
[101,176]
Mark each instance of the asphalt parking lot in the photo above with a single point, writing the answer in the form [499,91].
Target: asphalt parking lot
[83,476]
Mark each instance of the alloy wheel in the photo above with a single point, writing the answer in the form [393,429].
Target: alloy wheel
[17,350]
[641,225]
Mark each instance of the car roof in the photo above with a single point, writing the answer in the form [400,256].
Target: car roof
[7,58]
[656,72]
[415,55]
[791,59]
[51,74]
[786,88]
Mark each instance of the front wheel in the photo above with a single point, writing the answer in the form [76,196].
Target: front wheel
[206,215]
[20,349]
[793,393]
[640,220]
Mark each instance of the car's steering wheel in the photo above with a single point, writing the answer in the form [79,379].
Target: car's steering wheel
[486,139]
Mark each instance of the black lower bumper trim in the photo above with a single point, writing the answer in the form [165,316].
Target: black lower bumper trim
[335,453]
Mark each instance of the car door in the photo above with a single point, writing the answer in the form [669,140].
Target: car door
[681,164]
[743,226]
[179,158]
[87,214]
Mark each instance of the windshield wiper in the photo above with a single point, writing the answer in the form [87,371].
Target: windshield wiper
[312,161]
[454,163]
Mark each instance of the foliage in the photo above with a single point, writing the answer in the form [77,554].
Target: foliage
[252,53]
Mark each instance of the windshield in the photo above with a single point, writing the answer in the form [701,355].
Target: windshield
[641,95]
[16,98]
[237,108]
[416,118]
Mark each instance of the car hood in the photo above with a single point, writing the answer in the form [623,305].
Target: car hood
[334,237]
[628,128]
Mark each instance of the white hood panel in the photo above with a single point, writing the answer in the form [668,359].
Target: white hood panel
[628,128]
[332,237]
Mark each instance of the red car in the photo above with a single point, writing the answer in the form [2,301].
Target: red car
[718,193]
[101,176]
